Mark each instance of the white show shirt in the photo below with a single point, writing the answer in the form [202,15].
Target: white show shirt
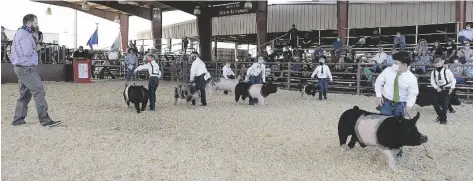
[227,71]
[256,69]
[380,57]
[408,87]
[326,73]
[152,67]
[436,83]
[198,68]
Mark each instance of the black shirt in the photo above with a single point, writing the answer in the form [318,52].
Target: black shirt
[438,50]
[450,48]
[293,32]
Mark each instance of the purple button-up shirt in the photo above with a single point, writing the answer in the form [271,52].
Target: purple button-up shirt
[23,50]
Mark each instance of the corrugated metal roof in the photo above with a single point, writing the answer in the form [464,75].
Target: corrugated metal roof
[469,11]
[315,16]
[400,14]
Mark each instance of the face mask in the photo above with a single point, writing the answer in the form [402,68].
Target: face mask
[467,46]
[396,67]
[439,68]
[321,61]
[398,35]
[468,27]
[193,57]
[455,61]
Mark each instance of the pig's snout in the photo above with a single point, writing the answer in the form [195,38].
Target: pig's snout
[423,139]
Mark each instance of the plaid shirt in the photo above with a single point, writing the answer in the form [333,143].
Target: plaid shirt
[467,53]
[23,51]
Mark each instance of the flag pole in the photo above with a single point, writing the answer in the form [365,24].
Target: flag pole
[97,29]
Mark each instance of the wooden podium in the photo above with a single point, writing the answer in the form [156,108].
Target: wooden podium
[82,70]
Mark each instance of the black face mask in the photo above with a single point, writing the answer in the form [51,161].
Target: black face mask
[194,57]
[439,68]
[321,63]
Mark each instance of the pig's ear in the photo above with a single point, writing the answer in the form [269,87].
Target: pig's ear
[416,118]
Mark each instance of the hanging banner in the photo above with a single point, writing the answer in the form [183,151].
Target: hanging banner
[232,9]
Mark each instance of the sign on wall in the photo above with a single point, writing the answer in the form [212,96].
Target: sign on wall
[232,9]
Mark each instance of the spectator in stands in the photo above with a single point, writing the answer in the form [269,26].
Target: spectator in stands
[421,46]
[374,38]
[185,42]
[293,35]
[296,67]
[465,35]
[318,53]
[249,58]
[399,40]
[297,53]
[465,53]
[361,43]
[4,36]
[451,50]
[323,74]
[227,71]
[337,47]
[380,59]
[437,50]
[287,54]
[422,59]
[142,50]
[469,70]
[350,54]
[389,60]
[457,70]
[307,41]
[131,62]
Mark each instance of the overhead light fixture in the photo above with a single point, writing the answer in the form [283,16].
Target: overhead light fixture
[122,1]
[117,19]
[197,10]
[48,11]
[157,13]
[248,5]
[85,6]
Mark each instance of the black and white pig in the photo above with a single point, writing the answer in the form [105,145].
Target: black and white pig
[187,92]
[258,91]
[388,133]
[136,94]
[307,89]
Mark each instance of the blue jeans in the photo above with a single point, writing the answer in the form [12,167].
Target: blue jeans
[153,83]
[462,39]
[323,87]
[392,108]
[401,45]
[460,80]
[129,74]
[254,80]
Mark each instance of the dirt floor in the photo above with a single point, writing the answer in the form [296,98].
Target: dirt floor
[288,139]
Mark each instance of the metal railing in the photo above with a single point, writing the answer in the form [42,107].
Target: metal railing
[348,78]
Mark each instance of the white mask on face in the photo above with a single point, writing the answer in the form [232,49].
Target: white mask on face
[467,46]
[455,61]
[468,27]
[396,67]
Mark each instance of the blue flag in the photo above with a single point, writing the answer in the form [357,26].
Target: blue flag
[94,39]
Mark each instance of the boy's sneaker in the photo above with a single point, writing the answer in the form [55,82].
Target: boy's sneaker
[51,123]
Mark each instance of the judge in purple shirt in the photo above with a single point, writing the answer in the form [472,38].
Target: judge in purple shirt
[24,58]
